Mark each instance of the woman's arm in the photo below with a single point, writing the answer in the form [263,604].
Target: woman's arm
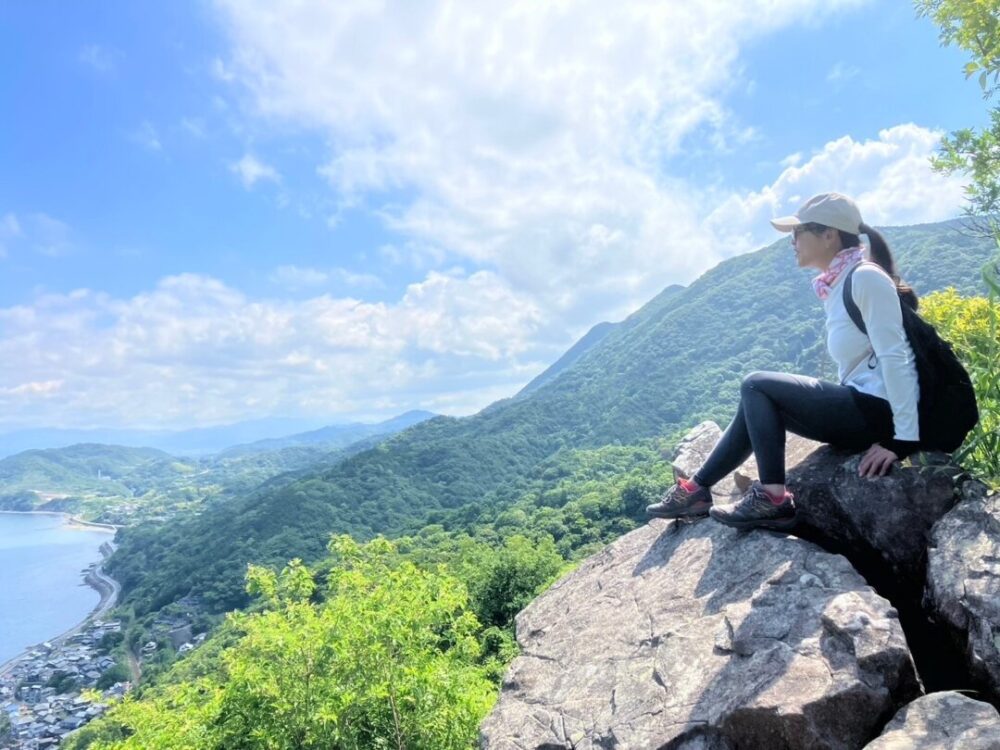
[876,297]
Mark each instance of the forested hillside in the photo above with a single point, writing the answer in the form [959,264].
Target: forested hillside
[678,359]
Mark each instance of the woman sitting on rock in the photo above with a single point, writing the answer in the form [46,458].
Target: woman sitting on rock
[874,407]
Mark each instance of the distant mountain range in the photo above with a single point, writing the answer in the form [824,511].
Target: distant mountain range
[332,436]
[678,359]
[124,484]
[204,440]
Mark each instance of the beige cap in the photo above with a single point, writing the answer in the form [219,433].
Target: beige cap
[829,209]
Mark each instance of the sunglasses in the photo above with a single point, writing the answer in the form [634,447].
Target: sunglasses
[811,228]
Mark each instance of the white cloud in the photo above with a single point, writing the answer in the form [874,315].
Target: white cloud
[890,177]
[10,229]
[101,59]
[295,277]
[298,277]
[194,350]
[251,171]
[842,73]
[533,136]
[36,232]
[147,136]
[194,126]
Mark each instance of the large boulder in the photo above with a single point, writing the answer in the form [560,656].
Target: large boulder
[942,721]
[883,523]
[693,449]
[963,581]
[885,520]
[694,635]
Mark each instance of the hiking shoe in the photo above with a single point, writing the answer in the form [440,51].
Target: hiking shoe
[677,502]
[756,510]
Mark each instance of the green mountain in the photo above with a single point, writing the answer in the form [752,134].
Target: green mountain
[332,437]
[85,469]
[678,359]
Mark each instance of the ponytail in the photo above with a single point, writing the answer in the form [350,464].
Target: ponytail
[881,254]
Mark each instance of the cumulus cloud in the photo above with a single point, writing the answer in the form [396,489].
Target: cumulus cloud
[252,170]
[299,277]
[890,177]
[193,350]
[532,136]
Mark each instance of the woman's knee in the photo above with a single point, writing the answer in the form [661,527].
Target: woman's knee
[756,381]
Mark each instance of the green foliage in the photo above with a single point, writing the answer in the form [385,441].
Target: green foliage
[113,674]
[62,682]
[676,361]
[972,325]
[389,658]
[110,641]
[5,727]
[504,581]
[974,26]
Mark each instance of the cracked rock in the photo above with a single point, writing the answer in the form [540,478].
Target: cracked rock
[886,518]
[963,582]
[942,721]
[695,635]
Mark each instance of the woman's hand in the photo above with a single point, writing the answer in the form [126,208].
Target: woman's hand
[876,462]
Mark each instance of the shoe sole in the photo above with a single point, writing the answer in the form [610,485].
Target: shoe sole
[681,514]
[777,524]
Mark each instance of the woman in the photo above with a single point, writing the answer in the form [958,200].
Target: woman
[874,407]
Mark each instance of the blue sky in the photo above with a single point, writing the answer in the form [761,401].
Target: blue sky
[214,211]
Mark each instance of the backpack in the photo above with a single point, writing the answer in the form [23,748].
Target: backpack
[946,407]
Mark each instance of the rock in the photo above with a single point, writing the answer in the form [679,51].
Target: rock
[963,581]
[694,448]
[875,522]
[942,721]
[880,522]
[694,635]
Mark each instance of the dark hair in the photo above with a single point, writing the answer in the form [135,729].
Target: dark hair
[881,254]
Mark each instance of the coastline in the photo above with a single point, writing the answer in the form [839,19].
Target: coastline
[107,587]
[70,520]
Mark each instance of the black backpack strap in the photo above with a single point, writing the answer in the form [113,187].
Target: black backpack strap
[850,304]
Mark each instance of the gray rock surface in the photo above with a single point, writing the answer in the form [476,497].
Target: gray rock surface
[888,517]
[942,721]
[963,581]
[694,635]
[692,451]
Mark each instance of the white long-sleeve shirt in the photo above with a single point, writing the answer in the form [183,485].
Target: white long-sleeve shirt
[881,363]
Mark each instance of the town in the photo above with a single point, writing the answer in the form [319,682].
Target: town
[41,698]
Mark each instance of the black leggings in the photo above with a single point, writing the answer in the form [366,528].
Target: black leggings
[772,402]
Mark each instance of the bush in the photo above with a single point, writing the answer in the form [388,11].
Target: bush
[972,325]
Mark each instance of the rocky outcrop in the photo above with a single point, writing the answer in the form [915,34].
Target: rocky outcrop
[692,635]
[942,721]
[685,635]
[963,582]
[885,521]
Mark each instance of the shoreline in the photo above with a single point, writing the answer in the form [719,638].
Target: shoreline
[69,519]
[107,588]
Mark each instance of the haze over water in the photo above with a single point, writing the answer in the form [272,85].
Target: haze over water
[42,593]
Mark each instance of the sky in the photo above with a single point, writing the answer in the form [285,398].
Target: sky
[220,210]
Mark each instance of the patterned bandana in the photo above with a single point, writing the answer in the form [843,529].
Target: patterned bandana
[844,259]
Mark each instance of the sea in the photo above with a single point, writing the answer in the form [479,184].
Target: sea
[42,593]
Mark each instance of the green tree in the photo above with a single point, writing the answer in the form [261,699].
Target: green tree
[974,26]
[389,659]
[504,581]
